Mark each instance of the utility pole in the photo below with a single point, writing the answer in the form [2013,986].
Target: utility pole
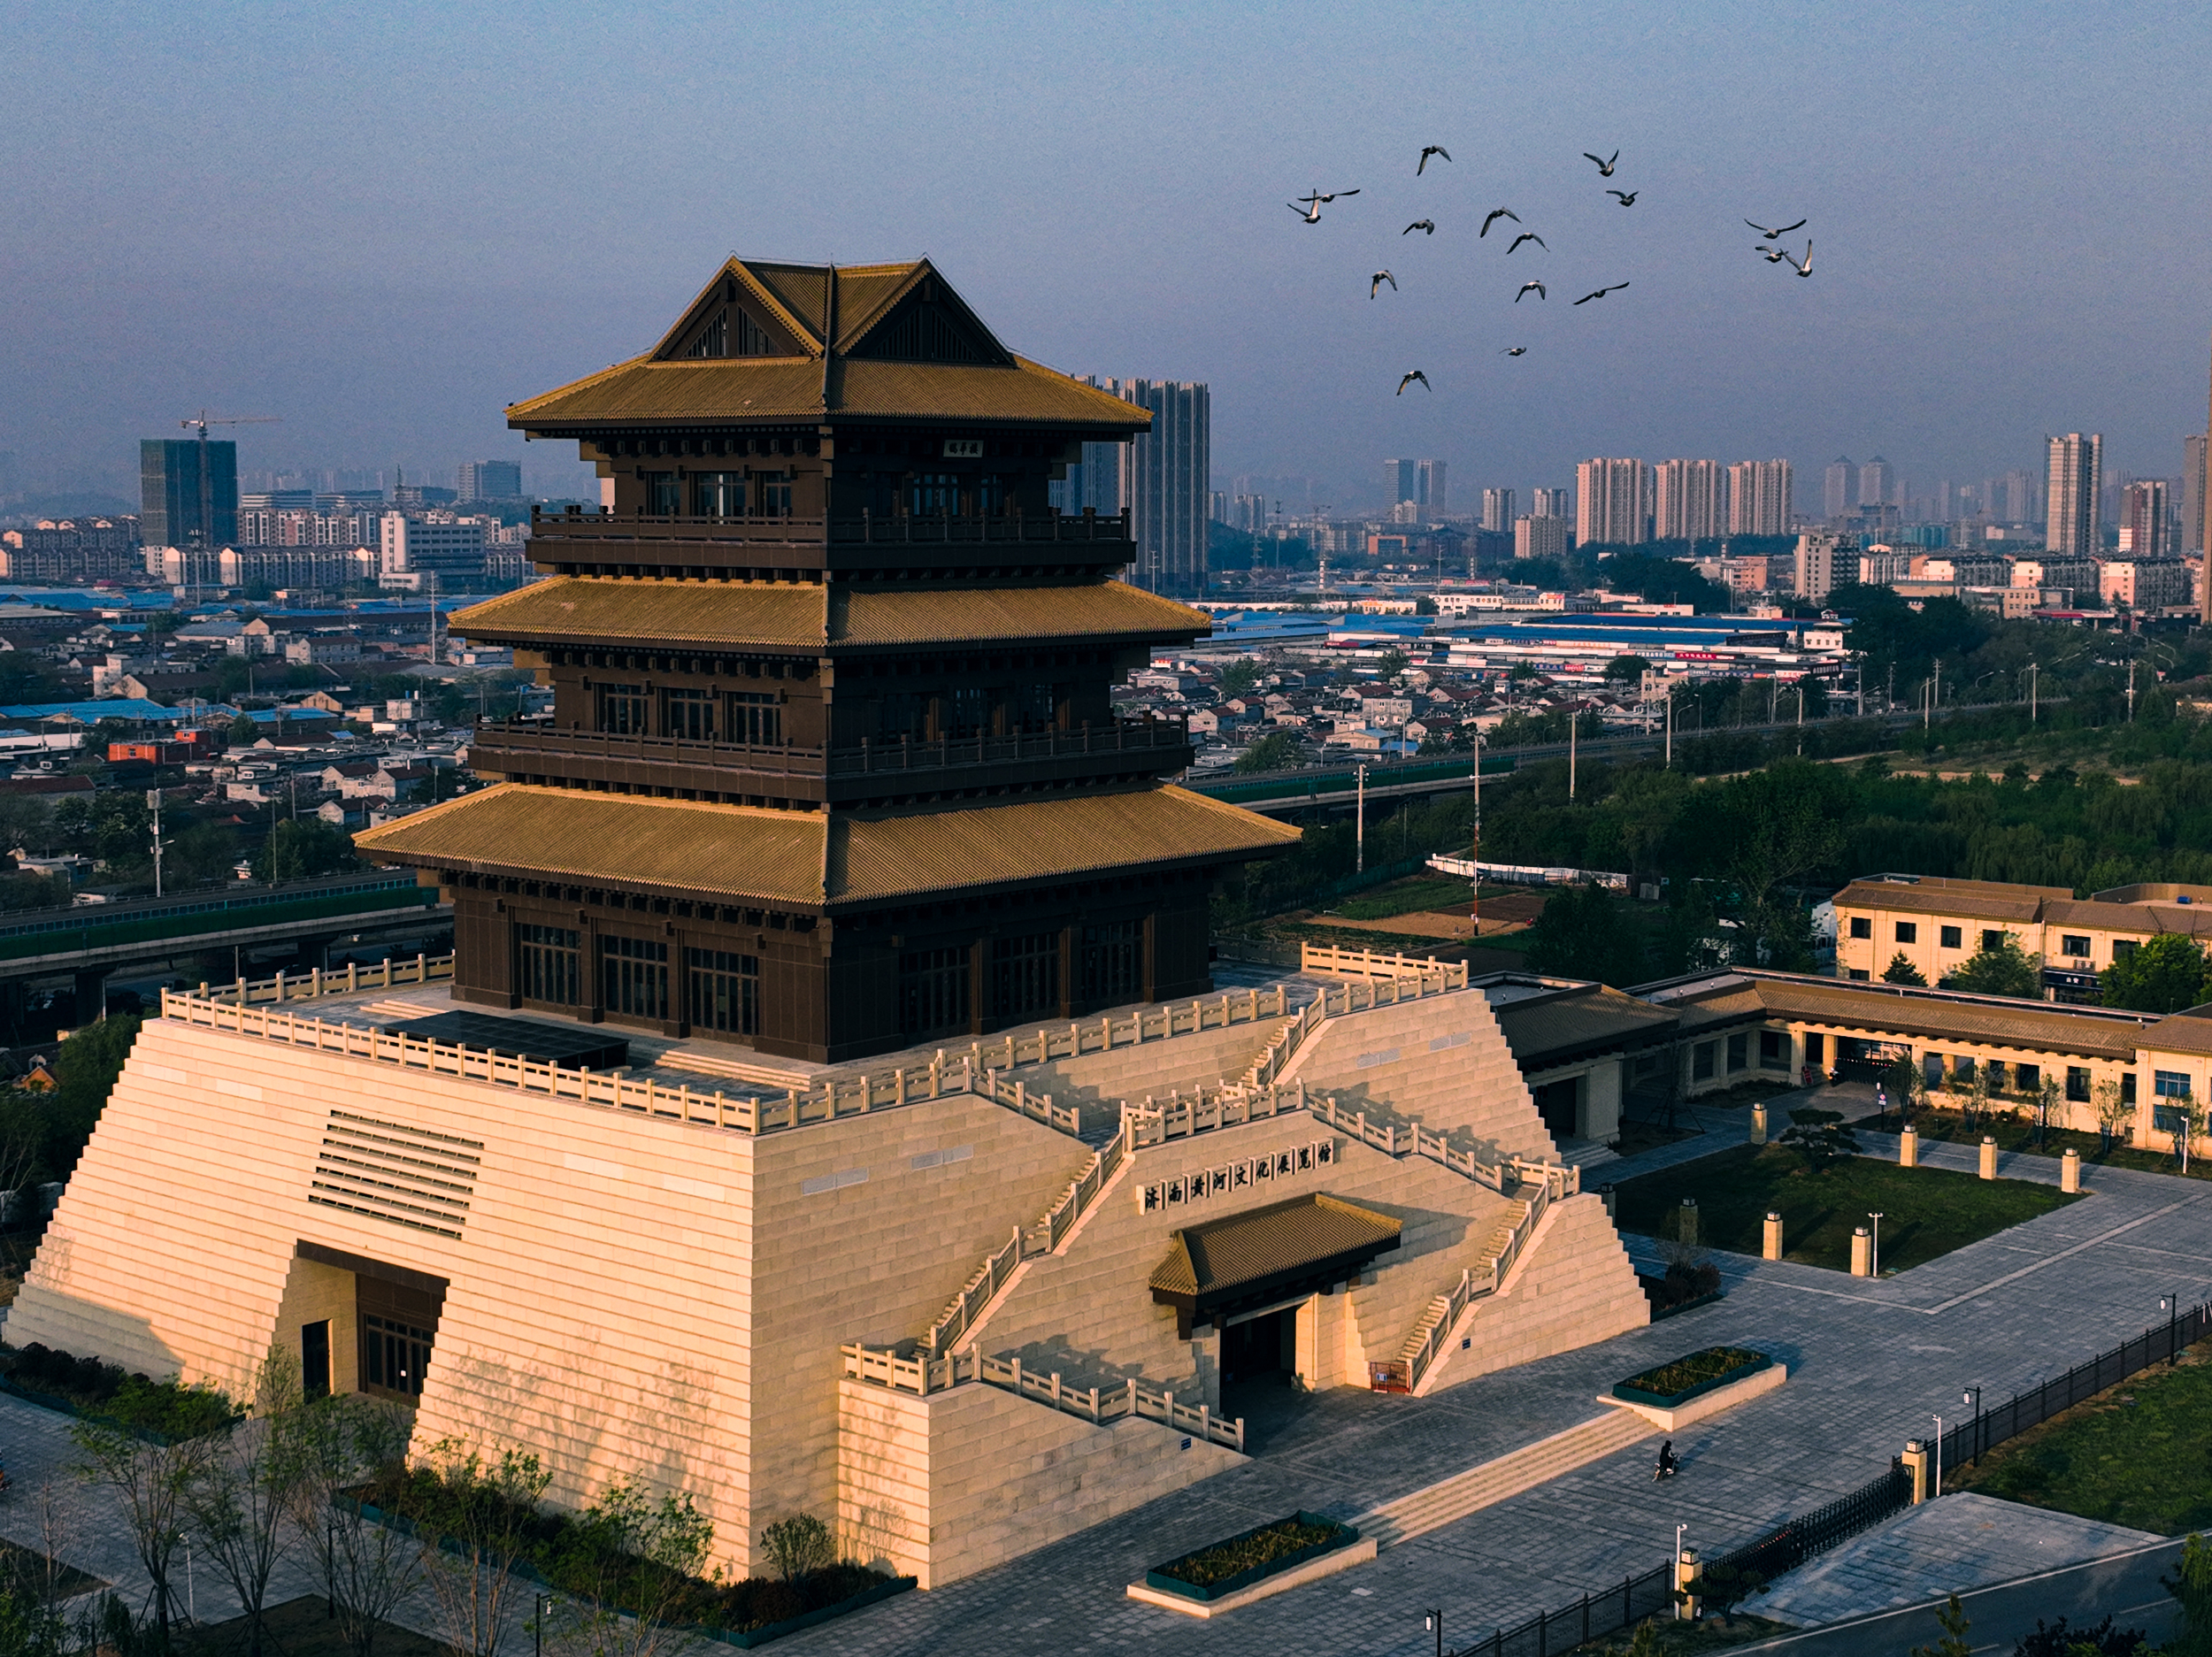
[2034,670]
[1669,727]
[2130,693]
[1360,822]
[1474,903]
[1574,720]
[153,799]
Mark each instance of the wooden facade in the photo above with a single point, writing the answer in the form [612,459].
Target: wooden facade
[832,766]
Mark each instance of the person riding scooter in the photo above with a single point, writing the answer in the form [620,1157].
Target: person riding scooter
[1668,1464]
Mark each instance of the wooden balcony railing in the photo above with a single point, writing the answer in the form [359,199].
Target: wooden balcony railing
[1122,736]
[907,529]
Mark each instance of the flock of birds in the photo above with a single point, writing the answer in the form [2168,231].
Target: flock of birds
[1307,208]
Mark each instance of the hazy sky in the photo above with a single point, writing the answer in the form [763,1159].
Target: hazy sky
[383,224]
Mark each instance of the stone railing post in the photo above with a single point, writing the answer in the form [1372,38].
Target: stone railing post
[1862,1253]
[1989,1157]
[1909,1148]
[1759,1121]
[1916,1460]
[2070,1171]
[1686,1221]
[1686,1608]
[1771,1247]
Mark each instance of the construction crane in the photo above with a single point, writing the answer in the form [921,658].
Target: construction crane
[207,483]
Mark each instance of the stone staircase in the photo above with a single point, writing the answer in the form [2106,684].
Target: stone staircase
[1586,1154]
[1440,1307]
[1493,1482]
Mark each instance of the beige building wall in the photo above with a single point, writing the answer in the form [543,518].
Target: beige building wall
[314,1293]
[619,1284]
[944,1486]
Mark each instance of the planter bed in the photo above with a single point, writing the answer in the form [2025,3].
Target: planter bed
[865,1588]
[1660,1309]
[1669,1385]
[1222,1569]
[159,1412]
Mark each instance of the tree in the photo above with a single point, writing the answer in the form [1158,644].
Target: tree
[2112,1110]
[150,1481]
[1818,1137]
[1953,1621]
[474,1537]
[1278,750]
[2046,1102]
[1239,676]
[1391,663]
[86,1068]
[2188,1119]
[1630,669]
[2165,974]
[2103,1640]
[634,1562]
[1901,970]
[1583,933]
[2191,1584]
[242,1493]
[366,1569]
[2005,969]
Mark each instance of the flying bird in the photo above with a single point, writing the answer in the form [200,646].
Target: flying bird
[1773,256]
[1413,374]
[1628,198]
[1496,213]
[1601,293]
[1332,195]
[1311,213]
[1605,167]
[1427,227]
[1539,286]
[1426,151]
[1526,236]
[1378,279]
[1771,235]
[1806,267]
[1514,350]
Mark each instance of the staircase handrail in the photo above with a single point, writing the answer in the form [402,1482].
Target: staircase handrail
[925,1374]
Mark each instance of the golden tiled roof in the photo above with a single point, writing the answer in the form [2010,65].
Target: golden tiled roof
[718,614]
[944,850]
[580,609]
[811,858]
[2189,1031]
[644,392]
[1282,1237]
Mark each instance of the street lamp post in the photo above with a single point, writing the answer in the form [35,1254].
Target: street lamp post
[2171,1304]
[1434,1621]
[1973,1395]
[537,1625]
[1938,1455]
[1875,1263]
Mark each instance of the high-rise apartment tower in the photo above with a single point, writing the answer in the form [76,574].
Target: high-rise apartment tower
[1759,493]
[1613,502]
[1550,503]
[488,480]
[1430,487]
[2143,520]
[179,505]
[1691,500]
[1840,489]
[2070,525]
[1497,511]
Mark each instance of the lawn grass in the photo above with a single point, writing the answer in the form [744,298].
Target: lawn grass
[1927,1211]
[2136,1454]
[1407,896]
[1715,1631]
[2018,1133]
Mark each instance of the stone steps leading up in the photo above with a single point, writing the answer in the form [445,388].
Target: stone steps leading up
[1493,1482]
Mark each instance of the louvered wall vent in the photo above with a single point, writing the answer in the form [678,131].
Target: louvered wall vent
[407,1176]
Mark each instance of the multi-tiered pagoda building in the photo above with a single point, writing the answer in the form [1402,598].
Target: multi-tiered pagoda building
[832,766]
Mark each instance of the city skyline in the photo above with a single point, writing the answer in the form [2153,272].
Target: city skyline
[387,321]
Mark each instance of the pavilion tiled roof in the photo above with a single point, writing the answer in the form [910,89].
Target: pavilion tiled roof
[663,385]
[721,615]
[1283,1238]
[811,859]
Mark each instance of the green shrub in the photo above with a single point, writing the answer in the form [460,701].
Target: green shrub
[1700,1366]
[1220,1561]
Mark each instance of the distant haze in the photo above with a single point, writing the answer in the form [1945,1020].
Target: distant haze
[384,224]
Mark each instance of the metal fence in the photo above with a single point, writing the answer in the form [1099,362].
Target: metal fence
[1730,1576]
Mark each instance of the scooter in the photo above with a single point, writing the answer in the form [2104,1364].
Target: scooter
[1668,1465]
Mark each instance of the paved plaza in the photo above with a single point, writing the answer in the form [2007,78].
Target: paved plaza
[1871,1362]
[1945,1547]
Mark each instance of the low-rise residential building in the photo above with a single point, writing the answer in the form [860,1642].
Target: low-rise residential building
[1937,924]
